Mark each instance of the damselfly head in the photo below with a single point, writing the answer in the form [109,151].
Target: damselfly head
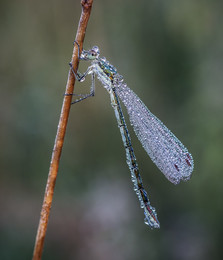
[90,54]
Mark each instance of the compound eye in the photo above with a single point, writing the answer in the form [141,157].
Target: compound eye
[96,50]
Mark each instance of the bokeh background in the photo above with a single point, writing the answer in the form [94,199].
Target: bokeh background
[170,53]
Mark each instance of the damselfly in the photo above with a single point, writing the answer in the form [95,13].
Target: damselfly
[163,147]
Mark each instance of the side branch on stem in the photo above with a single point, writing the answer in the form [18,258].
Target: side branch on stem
[59,140]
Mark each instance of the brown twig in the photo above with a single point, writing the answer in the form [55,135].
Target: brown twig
[54,164]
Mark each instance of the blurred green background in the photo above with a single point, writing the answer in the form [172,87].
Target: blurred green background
[170,53]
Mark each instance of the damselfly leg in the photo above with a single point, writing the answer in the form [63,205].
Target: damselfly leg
[81,77]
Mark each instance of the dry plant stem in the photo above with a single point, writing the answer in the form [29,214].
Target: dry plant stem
[54,164]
